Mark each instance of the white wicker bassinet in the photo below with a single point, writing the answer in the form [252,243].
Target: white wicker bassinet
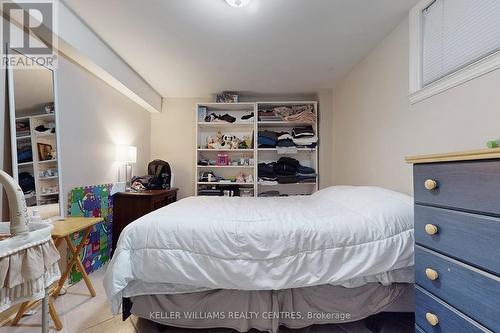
[28,257]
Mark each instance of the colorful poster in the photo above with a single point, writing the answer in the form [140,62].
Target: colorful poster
[92,201]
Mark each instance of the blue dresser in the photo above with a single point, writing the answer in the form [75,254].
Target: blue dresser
[457,233]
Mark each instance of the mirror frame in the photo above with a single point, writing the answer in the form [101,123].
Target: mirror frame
[12,121]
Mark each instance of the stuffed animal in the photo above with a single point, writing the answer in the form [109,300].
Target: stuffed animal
[249,178]
[248,141]
[235,142]
[219,137]
[240,178]
[228,142]
[215,143]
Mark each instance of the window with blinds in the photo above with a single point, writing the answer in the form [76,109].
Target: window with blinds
[457,33]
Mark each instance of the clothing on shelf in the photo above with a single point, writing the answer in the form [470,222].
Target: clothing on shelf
[304,137]
[294,113]
[247,116]
[306,179]
[285,143]
[268,115]
[267,182]
[305,170]
[304,117]
[286,170]
[22,129]
[300,137]
[213,118]
[287,179]
[26,182]
[266,171]
[284,136]
[305,131]
[46,129]
[286,166]
[268,194]
[267,139]
[24,153]
[306,174]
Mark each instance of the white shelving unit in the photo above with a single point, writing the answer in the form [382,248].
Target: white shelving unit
[306,156]
[36,166]
[240,128]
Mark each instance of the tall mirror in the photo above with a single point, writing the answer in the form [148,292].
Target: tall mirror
[34,137]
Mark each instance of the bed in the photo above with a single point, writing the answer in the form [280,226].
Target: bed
[342,248]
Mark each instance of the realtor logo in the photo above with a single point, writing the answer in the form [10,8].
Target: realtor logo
[28,29]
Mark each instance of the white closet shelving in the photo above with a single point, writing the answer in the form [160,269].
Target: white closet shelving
[242,161]
[306,156]
[251,156]
[28,144]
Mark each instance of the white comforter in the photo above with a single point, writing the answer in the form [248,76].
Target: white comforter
[341,235]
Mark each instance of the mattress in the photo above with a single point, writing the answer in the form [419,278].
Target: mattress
[341,235]
[267,310]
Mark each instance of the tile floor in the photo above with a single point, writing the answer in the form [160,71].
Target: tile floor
[81,313]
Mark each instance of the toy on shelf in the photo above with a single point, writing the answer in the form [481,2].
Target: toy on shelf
[228,142]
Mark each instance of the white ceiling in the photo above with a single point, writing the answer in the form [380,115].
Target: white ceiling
[188,48]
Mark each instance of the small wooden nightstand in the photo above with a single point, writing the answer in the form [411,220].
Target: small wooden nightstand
[129,206]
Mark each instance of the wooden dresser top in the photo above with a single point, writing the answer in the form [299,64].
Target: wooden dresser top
[482,154]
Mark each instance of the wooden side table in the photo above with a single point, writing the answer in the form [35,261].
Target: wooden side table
[62,230]
[129,206]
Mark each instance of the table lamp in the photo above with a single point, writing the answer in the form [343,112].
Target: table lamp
[127,155]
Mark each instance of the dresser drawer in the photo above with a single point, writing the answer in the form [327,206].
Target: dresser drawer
[461,235]
[472,186]
[418,329]
[449,320]
[469,290]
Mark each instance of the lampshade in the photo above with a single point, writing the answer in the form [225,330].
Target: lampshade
[126,154]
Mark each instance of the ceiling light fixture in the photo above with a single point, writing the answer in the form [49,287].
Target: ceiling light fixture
[238,3]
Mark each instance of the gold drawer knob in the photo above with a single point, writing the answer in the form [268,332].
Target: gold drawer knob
[431,184]
[431,229]
[431,274]
[432,319]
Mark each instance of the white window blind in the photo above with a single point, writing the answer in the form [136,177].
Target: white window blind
[457,33]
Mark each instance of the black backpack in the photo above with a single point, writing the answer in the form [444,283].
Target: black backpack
[161,175]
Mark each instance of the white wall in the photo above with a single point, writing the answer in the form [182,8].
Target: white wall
[375,127]
[173,140]
[93,118]
[325,105]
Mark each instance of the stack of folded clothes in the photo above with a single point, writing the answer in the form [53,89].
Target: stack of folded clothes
[24,153]
[307,117]
[306,174]
[285,144]
[286,171]
[304,137]
[294,113]
[267,139]
[268,115]
[266,173]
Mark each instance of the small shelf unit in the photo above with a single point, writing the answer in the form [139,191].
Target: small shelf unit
[250,127]
[28,141]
